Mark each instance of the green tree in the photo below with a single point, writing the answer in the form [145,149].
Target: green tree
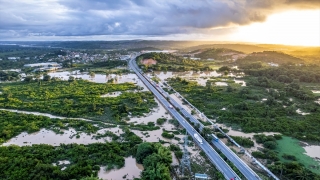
[144,150]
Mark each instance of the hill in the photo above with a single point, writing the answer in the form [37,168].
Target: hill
[246,48]
[270,57]
[219,54]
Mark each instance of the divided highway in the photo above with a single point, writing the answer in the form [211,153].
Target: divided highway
[214,157]
[242,166]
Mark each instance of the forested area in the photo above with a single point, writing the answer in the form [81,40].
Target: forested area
[11,64]
[77,98]
[169,62]
[285,73]
[22,51]
[9,76]
[217,54]
[156,160]
[245,108]
[36,161]
[44,161]
[245,142]
[270,57]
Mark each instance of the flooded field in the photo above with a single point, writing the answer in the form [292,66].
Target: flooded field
[100,78]
[247,135]
[45,136]
[158,112]
[188,74]
[313,151]
[200,77]
[221,84]
[305,155]
[153,136]
[242,82]
[318,101]
[302,113]
[130,170]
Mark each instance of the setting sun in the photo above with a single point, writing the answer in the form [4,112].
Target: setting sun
[291,27]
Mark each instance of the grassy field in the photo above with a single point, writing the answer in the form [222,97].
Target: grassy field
[291,146]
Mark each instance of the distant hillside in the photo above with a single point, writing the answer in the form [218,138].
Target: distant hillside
[145,49]
[310,54]
[237,47]
[218,54]
[270,57]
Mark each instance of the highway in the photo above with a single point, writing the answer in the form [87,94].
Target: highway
[213,156]
[242,166]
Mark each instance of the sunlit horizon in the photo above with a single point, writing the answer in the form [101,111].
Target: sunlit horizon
[299,28]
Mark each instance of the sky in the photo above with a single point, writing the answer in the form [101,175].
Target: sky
[293,22]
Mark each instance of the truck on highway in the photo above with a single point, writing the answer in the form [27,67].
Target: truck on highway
[198,138]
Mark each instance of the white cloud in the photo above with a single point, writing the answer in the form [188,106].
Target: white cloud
[20,18]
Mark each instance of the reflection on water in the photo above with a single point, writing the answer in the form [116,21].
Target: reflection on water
[221,83]
[313,151]
[100,78]
[186,74]
[49,137]
[131,169]
[243,83]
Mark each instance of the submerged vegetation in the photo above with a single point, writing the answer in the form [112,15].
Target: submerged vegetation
[244,107]
[42,161]
[76,98]
[12,124]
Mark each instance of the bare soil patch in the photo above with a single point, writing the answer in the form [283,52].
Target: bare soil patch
[148,61]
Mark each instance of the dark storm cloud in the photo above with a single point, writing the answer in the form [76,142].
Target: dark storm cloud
[135,17]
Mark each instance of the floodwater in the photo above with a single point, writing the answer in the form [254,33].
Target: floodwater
[49,137]
[100,78]
[131,168]
[302,113]
[243,83]
[158,112]
[313,151]
[221,84]
[247,135]
[112,94]
[187,74]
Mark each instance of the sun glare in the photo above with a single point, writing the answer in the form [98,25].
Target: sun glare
[291,27]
